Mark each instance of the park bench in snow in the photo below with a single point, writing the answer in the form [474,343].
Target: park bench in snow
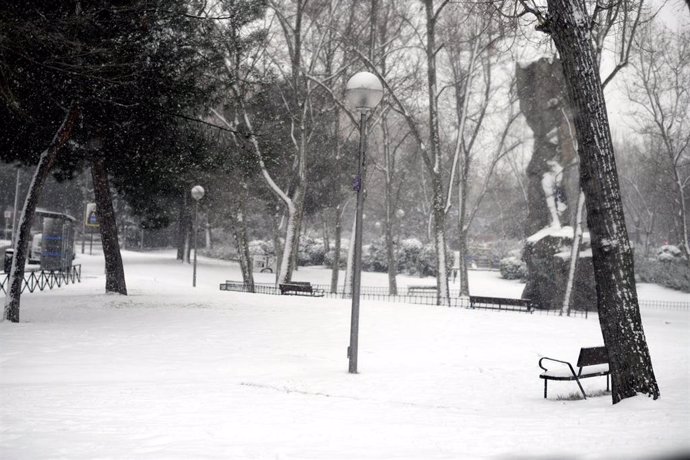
[501,303]
[232,286]
[413,290]
[592,362]
[299,288]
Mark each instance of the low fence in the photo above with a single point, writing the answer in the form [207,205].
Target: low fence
[44,279]
[419,297]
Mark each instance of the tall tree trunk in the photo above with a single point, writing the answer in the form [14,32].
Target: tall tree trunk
[239,231]
[347,285]
[114,271]
[683,213]
[389,171]
[208,234]
[23,237]
[326,236]
[277,246]
[335,271]
[443,293]
[463,176]
[574,254]
[183,225]
[298,238]
[439,212]
[291,236]
[619,312]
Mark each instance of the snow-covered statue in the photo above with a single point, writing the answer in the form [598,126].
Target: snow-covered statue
[552,187]
[541,90]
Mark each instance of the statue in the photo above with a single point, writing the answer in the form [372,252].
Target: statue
[553,188]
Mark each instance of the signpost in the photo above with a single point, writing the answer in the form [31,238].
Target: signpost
[90,222]
[8,218]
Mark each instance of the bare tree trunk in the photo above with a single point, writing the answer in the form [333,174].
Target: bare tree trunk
[291,238]
[277,246]
[208,234]
[619,312]
[389,171]
[183,225]
[295,248]
[23,237]
[574,254]
[462,227]
[239,230]
[683,213]
[443,292]
[326,236]
[114,271]
[438,211]
[336,258]
[347,287]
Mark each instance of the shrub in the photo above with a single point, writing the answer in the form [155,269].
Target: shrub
[220,251]
[669,253]
[513,268]
[311,252]
[329,258]
[671,272]
[261,247]
[408,255]
[415,258]
[374,258]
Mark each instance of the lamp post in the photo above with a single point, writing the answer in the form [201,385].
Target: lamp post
[197,194]
[362,93]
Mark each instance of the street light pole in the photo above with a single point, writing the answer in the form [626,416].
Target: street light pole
[363,92]
[357,269]
[197,194]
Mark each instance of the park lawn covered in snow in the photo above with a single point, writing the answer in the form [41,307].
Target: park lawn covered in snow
[175,372]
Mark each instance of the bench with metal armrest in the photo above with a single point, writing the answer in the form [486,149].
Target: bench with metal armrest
[592,362]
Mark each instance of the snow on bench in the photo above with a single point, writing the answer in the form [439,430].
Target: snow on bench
[592,362]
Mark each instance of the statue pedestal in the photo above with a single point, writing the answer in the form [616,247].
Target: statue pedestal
[547,255]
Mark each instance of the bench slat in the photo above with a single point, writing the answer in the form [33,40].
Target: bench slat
[592,356]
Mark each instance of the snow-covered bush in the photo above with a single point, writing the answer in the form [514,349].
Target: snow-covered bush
[220,251]
[374,257]
[513,268]
[669,253]
[261,247]
[665,271]
[311,251]
[329,258]
[415,258]
[408,255]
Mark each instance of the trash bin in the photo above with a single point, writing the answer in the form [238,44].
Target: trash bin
[7,264]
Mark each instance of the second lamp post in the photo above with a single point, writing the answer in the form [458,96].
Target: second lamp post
[363,92]
[197,194]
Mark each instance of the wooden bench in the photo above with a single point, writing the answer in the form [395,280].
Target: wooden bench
[501,303]
[233,286]
[592,362]
[412,290]
[300,288]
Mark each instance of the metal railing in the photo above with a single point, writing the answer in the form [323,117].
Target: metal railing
[44,279]
[380,294]
[428,297]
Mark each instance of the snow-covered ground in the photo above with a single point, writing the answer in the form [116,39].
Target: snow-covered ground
[172,372]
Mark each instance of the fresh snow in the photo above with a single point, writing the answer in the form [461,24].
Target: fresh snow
[554,230]
[173,372]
